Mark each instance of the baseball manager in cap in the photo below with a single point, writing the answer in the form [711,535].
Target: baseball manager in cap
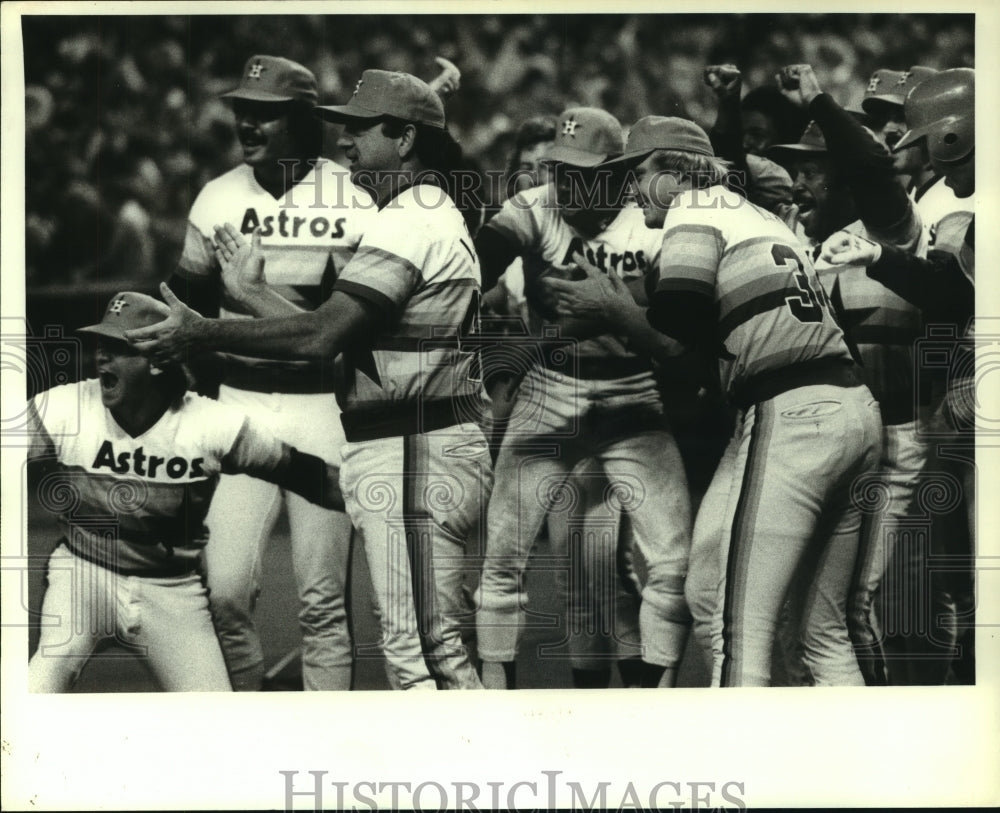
[410,410]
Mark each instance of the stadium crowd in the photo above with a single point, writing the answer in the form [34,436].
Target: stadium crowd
[124,124]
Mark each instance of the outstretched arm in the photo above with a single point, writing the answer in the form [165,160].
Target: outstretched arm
[312,335]
[257,453]
[937,285]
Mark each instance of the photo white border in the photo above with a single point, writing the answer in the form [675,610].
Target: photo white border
[830,747]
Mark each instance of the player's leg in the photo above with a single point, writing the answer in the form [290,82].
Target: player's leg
[890,513]
[530,477]
[646,474]
[77,611]
[827,652]
[240,519]
[701,588]
[321,549]
[797,450]
[449,486]
[601,590]
[243,512]
[174,631]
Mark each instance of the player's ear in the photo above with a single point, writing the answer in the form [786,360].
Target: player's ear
[407,141]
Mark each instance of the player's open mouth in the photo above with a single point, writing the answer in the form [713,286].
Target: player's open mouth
[108,380]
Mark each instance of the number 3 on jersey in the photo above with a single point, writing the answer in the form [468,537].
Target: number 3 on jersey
[806,305]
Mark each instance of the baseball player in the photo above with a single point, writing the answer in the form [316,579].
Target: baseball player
[883,107]
[734,280]
[136,460]
[599,584]
[416,466]
[940,115]
[844,174]
[593,398]
[310,217]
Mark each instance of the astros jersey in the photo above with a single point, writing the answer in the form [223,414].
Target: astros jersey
[880,326]
[416,264]
[772,313]
[307,235]
[137,505]
[532,220]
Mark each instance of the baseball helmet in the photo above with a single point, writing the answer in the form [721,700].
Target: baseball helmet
[942,109]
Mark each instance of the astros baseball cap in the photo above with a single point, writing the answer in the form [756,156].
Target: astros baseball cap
[890,87]
[389,93]
[652,133]
[275,79]
[128,310]
[811,141]
[586,137]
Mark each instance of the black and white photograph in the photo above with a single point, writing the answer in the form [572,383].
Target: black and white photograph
[548,351]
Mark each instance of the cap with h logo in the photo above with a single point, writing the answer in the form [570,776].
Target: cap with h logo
[275,79]
[812,141]
[586,137]
[891,87]
[652,133]
[128,310]
[389,93]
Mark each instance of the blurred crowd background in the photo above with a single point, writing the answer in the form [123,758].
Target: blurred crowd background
[124,124]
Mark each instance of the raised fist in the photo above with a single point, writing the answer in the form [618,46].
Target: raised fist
[726,81]
[798,84]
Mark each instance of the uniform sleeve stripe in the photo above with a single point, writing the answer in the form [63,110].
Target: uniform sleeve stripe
[465,282]
[696,286]
[692,229]
[376,298]
[754,307]
[374,257]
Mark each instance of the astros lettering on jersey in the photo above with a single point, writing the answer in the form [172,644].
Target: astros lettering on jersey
[307,236]
[153,490]
[533,220]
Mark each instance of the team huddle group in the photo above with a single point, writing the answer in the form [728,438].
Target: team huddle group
[401,369]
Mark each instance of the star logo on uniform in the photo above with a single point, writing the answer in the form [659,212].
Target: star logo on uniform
[357,87]
[117,305]
[569,127]
[873,83]
[256,70]
[904,77]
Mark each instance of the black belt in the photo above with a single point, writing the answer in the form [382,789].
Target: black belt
[186,567]
[834,372]
[410,418]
